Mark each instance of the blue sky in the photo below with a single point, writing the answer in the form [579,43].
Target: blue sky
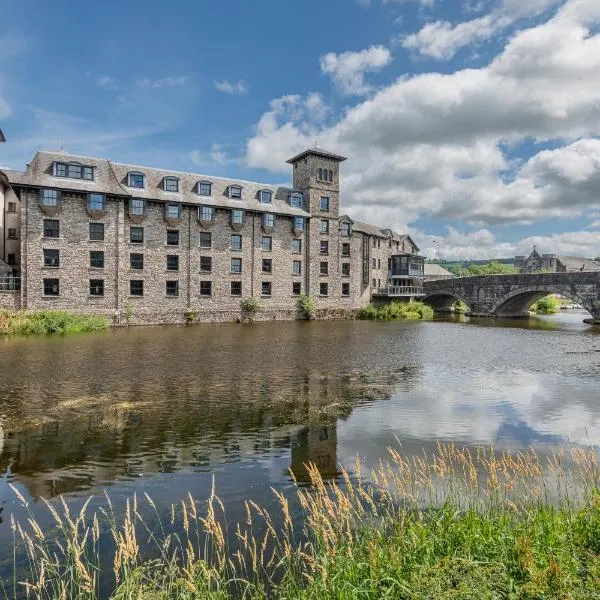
[471,122]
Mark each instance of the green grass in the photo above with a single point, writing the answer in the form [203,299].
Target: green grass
[547,305]
[396,311]
[45,322]
[454,525]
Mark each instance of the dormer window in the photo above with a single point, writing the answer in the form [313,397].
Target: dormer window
[237,216]
[345,228]
[268,220]
[296,200]
[73,171]
[96,201]
[172,211]
[265,196]
[235,191]
[136,180]
[204,188]
[299,223]
[49,197]
[171,184]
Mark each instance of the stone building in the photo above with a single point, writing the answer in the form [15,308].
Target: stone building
[144,245]
[434,272]
[552,263]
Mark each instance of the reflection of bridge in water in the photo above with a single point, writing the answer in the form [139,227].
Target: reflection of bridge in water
[512,295]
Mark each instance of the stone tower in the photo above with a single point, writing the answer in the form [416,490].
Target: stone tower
[317,176]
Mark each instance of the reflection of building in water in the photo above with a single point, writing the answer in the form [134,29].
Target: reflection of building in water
[317,445]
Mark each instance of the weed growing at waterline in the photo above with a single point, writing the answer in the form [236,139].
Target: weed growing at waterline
[453,525]
[396,311]
[48,321]
[548,305]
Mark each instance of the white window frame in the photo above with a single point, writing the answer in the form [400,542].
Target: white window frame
[230,192]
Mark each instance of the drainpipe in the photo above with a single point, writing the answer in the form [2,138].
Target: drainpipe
[189,258]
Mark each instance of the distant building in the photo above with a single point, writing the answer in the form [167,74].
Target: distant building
[2,138]
[552,263]
[434,272]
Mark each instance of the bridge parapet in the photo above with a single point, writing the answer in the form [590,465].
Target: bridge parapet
[511,295]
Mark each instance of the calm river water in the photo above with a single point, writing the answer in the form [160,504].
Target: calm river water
[163,410]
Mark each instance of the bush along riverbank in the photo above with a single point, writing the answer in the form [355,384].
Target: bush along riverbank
[396,311]
[48,321]
[452,525]
[548,305]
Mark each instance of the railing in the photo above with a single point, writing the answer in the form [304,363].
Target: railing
[401,290]
[10,284]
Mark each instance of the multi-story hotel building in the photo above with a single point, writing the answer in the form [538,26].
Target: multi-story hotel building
[147,245]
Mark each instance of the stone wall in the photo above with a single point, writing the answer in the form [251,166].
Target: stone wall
[10,300]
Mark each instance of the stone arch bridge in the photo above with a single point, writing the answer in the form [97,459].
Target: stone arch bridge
[512,295]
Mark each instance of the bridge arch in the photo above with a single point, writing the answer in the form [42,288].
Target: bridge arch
[443,300]
[518,301]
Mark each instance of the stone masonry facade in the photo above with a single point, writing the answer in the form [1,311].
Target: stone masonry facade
[145,246]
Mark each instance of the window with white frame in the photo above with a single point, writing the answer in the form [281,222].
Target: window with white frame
[206,213]
[96,201]
[345,228]
[171,184]
[237,216]
[204,188]
[49,197]
[136,207]
[296,267]
[299,223]
[324,226]
[172,211]
[265,196]
[296,200]
[268,220]
[235,191]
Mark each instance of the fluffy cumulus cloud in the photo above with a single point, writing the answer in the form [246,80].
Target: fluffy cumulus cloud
[348,69]
[237,88]
[444,145]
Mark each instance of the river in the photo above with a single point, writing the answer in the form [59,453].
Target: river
[164,410]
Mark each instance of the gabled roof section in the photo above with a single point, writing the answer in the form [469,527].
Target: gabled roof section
[317,152]
[575,263]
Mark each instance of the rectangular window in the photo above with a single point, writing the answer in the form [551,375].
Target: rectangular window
[266,197]
[206,288]
[345,229]
[267,243]
[267,265]
[136,261]
[96,287]
[75,171]
[235,191]
[172,237]
[268,220]
[323,289]
[51,228]
[96,201]
[374,284]
[136,207]
[60,170]
[374,242]
[12,233]
[296,288]
[12,207]
[172,288]
[325,203]
[172,211]
[236,288]
[97,259]
[236,265]
[205,239]
[296,267]
[49,197]
[266,288]
[136,180]
[297,246]
[324,227]
[12,259]
[299,223]
[171,184]
[51,258]
[236,241]
[136,287]
[206,264]
[346,269]
[296,200]
[51,287]
[379,263]
[324,268]
[237,216]
[88,173]
[205,213]
[345,289]
[136,235]
[345,249]
[97,232]
[324,247]
[172,262]
[205,188]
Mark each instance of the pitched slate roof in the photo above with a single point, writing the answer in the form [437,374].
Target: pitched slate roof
[574,263]
[111,178]
[435,269]
[373,230]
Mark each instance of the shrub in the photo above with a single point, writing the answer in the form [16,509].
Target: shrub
[250,305]
[48,321]
[397,311]
[546,306]
[190,315]
[307,307]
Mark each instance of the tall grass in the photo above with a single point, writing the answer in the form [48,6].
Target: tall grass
[547,305]
[396,311]
[451,525]
[44,322]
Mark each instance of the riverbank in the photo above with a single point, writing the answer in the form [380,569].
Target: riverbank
[451,525]
[45,322]
[397,311]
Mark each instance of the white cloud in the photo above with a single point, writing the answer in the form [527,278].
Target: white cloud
[154,84]
[442,39]
[216,155]
[238,87]
[349,68]
[107,82]
[436,143]
[5,110]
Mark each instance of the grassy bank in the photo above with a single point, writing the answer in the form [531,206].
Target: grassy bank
[548,305]
[450,526]
[396,311]
[48,321]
